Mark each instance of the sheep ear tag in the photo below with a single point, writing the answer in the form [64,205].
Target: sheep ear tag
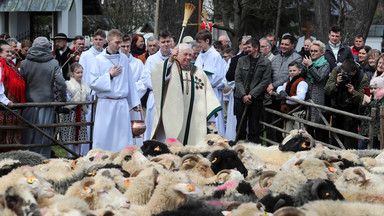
[214,160]
[87,192]
[187,188]
[157,148]
[30,179]
[304,144]
[127,182]
[332,169]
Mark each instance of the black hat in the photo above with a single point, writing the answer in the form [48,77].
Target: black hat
[62,36]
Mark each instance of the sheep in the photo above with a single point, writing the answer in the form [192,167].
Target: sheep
[19,200]
[171,192]
[140,189]
[338,207]
[197,168]
[297,140]
[239,191]
[226,159]
[287,181]
[168,161]
[362,196]
[248,209]
[269,155]
[98,192]
[212,142]
[50,169]
[250,160]
[72,206]
[193,208]
[357,178]
[26,158]
[7,165]
[116,175]
[154,148]
[26,176]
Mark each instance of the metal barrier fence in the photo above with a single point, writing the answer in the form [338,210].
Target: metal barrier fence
[326,126]
[54,138]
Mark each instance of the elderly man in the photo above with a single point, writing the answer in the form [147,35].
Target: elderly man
[152,48]
[265,48]
[13,43]
[43,77]
[184,99]
[224,41]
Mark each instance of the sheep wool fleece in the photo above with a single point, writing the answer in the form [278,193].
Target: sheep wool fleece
[183,104]
[115,98]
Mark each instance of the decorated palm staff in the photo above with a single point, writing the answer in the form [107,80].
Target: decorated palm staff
[189,8]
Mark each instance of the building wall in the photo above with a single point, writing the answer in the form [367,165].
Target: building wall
[374,42]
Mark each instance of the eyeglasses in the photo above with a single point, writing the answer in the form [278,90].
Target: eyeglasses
[314,51]
[123,46]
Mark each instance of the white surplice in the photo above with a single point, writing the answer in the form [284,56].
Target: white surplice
[214,66]
[149,66]
[86,60]
[115,98]
[137,68]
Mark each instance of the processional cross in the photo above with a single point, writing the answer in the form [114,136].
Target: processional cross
[307,29]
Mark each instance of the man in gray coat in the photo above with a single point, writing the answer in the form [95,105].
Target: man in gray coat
[252,76]
[44,82]
[280,75]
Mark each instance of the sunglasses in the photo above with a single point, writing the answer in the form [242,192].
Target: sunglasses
[314,51]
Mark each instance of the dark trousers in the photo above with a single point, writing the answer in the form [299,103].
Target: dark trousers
[253,115]
[268,117]
[346,123]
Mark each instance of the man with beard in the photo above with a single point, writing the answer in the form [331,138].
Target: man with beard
[63,54]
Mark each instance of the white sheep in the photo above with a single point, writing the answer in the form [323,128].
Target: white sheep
[171,192]
[98,192]
[358,178]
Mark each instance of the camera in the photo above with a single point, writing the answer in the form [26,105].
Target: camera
[345,79]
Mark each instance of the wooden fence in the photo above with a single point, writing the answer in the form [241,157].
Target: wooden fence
[326,126]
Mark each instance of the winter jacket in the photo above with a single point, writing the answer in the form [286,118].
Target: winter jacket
[260,81]
[344,53]
[280,67]
[43,76]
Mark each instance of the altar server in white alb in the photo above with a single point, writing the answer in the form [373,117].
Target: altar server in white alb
[86,60]
[111,79]
[161,55]
[185,102]
[137,68]
[211,62]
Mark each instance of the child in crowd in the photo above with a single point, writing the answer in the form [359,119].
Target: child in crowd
[375,100]
[295,87]
[77,91]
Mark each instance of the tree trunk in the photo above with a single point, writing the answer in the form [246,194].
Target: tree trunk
[322,19]
[278,19]
[171,15]
[362,14]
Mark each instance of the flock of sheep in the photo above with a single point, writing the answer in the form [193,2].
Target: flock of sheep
[211,178]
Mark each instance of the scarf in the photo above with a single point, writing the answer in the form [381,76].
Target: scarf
[12,80]
[317,64]
[138,52]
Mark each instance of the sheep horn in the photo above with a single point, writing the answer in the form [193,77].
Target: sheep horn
[318,182]
[266,174]
[299,162]
[288,210]
[360,172]
[188,156]
[240,149]
[305,134]
[232,206]
[94,168]
[224,171]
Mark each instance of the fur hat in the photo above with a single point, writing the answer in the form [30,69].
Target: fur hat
[62,36]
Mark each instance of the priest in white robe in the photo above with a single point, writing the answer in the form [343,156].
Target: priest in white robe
[86,60]
[111,79]
[211,62]
[185,102]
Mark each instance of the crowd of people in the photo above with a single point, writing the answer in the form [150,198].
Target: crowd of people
[181,89]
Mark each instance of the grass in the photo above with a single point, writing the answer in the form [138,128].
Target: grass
[59,152]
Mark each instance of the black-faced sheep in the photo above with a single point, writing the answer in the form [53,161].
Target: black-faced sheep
[297,140]
[226,159]
[154,148]
[19,200]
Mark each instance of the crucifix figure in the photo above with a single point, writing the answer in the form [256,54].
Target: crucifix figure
[186,82]
[307,29]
